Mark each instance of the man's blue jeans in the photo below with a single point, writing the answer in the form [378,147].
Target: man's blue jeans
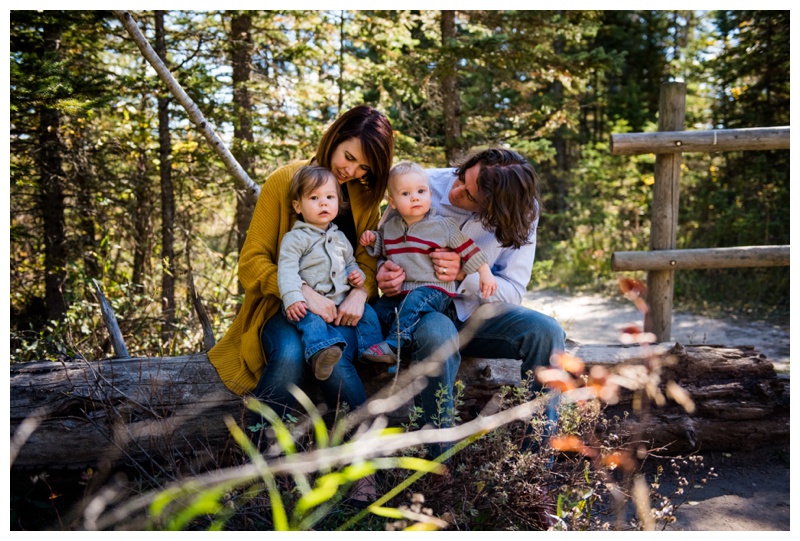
[410,310]
[286,364]
[495,330]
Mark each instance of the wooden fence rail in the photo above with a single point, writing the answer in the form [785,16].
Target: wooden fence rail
[700,141]
[702,258]
[669,143]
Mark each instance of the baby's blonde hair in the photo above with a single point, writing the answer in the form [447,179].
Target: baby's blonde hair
[404,168]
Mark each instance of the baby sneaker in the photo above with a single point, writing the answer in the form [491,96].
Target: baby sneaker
[323,361]
[380,353]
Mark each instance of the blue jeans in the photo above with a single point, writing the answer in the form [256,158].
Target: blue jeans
[498,330]
[410,309]
[286,364]
[317,335]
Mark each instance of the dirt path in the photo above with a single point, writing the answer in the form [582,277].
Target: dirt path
[591,319]
[751,490]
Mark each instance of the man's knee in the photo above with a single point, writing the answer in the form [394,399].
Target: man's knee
[434,328]
[436,339]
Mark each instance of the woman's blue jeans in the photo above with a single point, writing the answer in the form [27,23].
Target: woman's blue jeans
[495,330]
[286,364]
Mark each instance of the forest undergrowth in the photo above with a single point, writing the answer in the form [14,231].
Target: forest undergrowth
[510,468]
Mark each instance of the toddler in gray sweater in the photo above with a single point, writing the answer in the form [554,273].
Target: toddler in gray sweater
[316,253]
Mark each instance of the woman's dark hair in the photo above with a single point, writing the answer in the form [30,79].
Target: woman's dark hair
[375,134]
[310,177]
[510,189]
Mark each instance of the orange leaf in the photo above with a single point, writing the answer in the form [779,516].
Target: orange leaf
[631,329]
[567,444]
[555,378]
[570,363]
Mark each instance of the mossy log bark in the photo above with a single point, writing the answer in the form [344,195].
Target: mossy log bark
[80,414]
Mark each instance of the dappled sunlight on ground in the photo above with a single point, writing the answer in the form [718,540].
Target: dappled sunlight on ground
[592,319]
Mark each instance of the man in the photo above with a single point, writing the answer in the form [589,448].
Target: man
[494,195]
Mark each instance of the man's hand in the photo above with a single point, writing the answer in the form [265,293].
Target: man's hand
[319,304]
[355,278]
[390,278]
[297,311]
[447,265]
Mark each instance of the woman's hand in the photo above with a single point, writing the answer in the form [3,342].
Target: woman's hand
[352,308]
[390,278]
[319,304]
[447,265]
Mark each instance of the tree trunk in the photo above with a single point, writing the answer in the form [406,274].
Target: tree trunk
[241,51]
[120,410]
[84,183]
[451,99]
[141,215]
[167,199]
[559,142]
[51,195]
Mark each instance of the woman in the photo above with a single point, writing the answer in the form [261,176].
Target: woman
[262,352]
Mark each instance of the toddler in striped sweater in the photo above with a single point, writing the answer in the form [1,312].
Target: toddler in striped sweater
[407,239]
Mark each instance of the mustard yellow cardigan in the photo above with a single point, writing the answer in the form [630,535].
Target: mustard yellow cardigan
[239,357]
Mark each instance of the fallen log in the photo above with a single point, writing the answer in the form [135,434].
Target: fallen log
[79,414]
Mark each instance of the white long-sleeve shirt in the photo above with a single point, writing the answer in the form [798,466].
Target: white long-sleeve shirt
[510,266]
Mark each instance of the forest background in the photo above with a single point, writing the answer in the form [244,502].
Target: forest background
[110,181]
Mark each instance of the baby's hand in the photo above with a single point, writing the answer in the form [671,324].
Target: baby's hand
[487,282]
[355,278]
[367,238]
[297,311]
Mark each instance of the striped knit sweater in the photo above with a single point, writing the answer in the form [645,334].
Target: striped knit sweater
[239,357]
[410,246]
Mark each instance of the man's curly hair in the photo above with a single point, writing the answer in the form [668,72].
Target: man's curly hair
[510,189]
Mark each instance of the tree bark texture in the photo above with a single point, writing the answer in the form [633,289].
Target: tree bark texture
[142,209]
[451,100]
[121,410]
[167,199]
[51,194]
[87,220]
[241,48]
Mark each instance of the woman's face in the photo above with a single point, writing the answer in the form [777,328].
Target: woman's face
[348,162]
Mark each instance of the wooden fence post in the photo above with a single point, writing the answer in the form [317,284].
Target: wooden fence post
[664,222]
